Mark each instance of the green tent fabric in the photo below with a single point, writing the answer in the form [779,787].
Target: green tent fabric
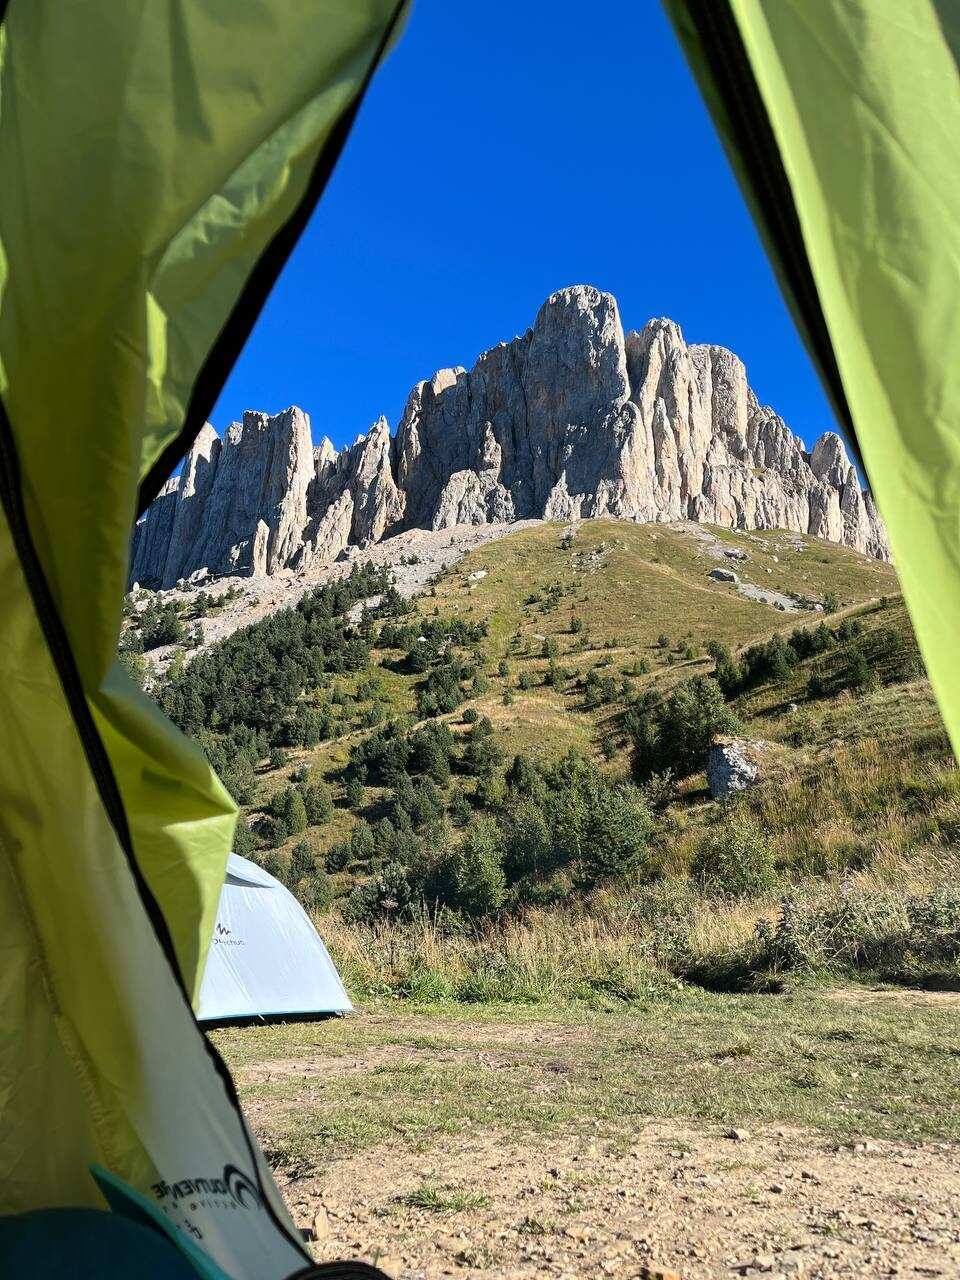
[158,161]
[842,121]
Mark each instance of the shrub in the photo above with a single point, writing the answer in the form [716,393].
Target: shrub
[803,728]
[528,841]
[161,624]
[677,734]
[243,841]
[859,673]
[134,664]
[459,807]
[362,844]
[617,829]
[272,865]
[851,929]
[317,803]
[354,794]
[314,892]
[338,857]
[503,667]
[659,790]
[288,813]
[736,859]
[301,861]
[469,877]
[388,894]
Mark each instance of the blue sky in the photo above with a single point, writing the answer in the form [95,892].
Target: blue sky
[506,150]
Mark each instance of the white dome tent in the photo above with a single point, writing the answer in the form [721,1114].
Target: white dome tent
[266,959]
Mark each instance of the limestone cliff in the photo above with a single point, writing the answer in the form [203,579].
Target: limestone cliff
[572,420]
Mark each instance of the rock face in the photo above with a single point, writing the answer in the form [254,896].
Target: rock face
[573,419]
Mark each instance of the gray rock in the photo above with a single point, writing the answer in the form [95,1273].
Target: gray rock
[574,419]
[723,575]
[733,765]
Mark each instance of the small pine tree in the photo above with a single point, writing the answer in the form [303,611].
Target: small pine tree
[301,861]
[317,802]
[459,807]
[477,884]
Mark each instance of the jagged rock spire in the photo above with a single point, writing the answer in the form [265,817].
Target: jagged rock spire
[573,419]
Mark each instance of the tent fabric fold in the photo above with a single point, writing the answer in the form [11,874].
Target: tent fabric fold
[157,162]
[857,107]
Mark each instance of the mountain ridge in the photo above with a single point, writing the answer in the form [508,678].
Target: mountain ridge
[574,419]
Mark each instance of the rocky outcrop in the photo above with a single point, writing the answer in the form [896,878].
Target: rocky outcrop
[733,765]
[574,419]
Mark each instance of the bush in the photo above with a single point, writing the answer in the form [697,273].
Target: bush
[301,861]
[736,859]
[317,803]
[354,794]
[338,857]
[616,832]
[386,895]
[161,624]
[677,734]
[288,813]
[459,807]
[314,892]
[469,877]
[243,841]
[134,664]
[859,673]
[659,791]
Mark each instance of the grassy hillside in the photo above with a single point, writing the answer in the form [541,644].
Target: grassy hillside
[376,745]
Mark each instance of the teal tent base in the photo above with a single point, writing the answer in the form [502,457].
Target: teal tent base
[86,1244]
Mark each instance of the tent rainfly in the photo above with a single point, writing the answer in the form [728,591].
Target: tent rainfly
[266,959]
[158,163]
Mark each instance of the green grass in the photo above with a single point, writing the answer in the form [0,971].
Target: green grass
[442,1199]
[409,1075]
[628,583]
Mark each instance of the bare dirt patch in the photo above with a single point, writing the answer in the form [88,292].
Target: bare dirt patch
[696,1201]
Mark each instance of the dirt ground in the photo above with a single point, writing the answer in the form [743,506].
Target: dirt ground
[683,1200]
[440,1168]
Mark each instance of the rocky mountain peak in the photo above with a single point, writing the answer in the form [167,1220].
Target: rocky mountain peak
[574,419]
